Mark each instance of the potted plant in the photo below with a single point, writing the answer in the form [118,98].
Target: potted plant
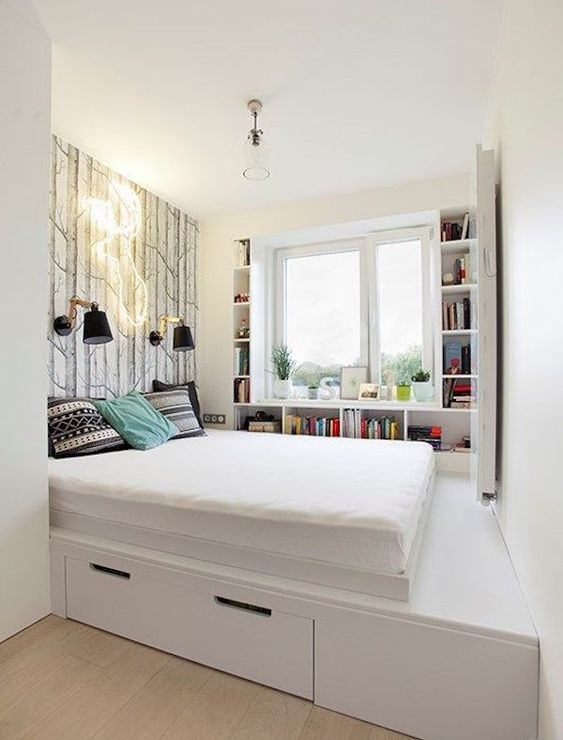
[422,386]
[403,391]
[313,391]
[284,365]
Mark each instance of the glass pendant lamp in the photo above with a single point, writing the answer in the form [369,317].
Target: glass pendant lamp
[255,148]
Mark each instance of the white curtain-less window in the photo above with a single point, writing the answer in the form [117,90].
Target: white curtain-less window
[322,312]
[362,302]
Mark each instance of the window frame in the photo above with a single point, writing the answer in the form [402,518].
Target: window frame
[366,246]
[421,234]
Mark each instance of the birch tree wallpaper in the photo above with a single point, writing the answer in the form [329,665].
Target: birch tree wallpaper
[133,253]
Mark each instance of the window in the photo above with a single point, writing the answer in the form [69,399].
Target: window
[321,311]
[398,271]
[362,302]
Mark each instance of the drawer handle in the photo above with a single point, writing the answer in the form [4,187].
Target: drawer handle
[222,601]
[110,571]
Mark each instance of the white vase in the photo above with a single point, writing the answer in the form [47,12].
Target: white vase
[423,391]
[282,389]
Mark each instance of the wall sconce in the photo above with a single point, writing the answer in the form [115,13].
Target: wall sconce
[96,328]
[182,340]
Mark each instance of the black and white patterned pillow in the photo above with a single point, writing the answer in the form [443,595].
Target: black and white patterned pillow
[77,428]
[177,407]
[158,387]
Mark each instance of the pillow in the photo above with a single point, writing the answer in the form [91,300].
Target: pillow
[176,406]
[158,386]
[137,421]
[75,427]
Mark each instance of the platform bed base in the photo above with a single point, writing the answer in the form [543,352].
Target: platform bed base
[338,649]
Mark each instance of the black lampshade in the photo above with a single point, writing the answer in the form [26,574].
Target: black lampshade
[62,325]
[183,339]
[96,327]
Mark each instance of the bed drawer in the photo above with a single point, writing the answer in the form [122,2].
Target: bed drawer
[213,628]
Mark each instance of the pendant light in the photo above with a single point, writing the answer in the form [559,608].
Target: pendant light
[255,148]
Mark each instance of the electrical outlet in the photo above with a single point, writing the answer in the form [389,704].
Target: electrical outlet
[214,419]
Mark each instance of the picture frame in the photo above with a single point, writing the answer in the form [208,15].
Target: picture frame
[368,392]
[350,380]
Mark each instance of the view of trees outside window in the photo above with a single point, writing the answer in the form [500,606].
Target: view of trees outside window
[399,289]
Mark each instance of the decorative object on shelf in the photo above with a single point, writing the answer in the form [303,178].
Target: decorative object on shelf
[242,298]
[368,392]
[284,365]
[350,380]
[182,340]
[96,328]
[313,392]
[329,389]
[448,279]
[404,392]
[243,330]
[262,422]
[422,386]
[255,148]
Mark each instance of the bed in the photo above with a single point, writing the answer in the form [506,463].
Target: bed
[339,512]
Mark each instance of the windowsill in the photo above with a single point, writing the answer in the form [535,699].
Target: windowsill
[338,403]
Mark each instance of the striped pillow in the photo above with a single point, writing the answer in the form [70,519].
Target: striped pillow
[176,406]
[76,427]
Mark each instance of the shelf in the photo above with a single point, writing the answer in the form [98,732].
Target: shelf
[457,246]
[241,376]
[449,376]
[245,267]
[464,288]
[241,303]
[341,403]
[235,340]
[457,332]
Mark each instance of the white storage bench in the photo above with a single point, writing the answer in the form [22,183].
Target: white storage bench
[458,662]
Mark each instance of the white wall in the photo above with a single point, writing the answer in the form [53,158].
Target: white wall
[215,335]
[25,65]
[529,133]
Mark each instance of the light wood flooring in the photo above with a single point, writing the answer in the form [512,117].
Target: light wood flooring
[61,680]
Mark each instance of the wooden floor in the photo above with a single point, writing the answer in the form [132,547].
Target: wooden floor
[61,680]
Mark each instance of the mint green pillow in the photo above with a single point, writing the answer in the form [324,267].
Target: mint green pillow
[141,425]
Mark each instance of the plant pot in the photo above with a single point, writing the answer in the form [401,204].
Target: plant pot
[423,391]
[404,393]
[282,389]
[313,394]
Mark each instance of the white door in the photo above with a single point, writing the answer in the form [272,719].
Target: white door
[483,432]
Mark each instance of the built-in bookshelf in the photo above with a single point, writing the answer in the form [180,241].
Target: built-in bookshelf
[444,428]
[459,320]
[241,321]
[445,422]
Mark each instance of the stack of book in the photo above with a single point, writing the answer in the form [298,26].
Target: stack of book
[242,361]
[432,435]
[242,252]
[242,390]
[456,315]
[458,393]
[453,230]
[314,426]
[360,427]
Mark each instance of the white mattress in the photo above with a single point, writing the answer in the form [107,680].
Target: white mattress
[352,503]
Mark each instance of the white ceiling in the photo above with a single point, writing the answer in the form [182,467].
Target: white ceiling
[356,94]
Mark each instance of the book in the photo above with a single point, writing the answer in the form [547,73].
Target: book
[452,357]
[465,226]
